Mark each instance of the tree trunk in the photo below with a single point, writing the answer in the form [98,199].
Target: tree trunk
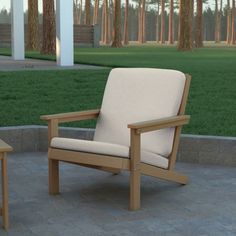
[103,22]
[233,23]
[157,23]
[198,30]
[95,12]
[228,36]
[216,22]
[87,12]
[33,22]
[143,22]
[162,21]
[49,28]
[76,13]
[126,22]
[184,43]
[110,19]
[139,21]
[80,12]
[171,14]
[105,26]
[191,21]
[106,22]
[220,16]
[116,24]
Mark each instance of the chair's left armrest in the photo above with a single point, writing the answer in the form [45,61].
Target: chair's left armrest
[152,125]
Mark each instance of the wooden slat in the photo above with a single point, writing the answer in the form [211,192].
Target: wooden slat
[173,155]
[72,116]
[185,94]
[89,159]
[106,169]
[163,174]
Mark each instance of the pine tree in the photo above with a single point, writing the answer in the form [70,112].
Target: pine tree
[49,28]
[199,25]
[184,42]
[33,25]
[117,24]
[126,23]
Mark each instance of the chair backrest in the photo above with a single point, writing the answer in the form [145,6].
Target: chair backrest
[140,94]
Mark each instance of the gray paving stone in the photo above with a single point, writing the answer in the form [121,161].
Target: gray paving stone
[96,203]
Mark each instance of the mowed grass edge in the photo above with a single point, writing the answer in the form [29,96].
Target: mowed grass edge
[212,99]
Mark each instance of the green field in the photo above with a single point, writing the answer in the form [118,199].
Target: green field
[24,96]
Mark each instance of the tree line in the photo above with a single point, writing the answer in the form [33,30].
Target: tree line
[163,21]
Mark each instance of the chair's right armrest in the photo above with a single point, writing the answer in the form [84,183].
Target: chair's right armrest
[72,116]
[54,120]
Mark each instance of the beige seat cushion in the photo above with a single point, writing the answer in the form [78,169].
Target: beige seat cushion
[107,149]
[140,94]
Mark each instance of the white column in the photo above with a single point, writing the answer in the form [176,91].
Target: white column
[17,30]
[65,33]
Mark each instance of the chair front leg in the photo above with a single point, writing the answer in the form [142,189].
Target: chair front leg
[135,177]
[4,209]
[53,165]
[135,173]
[53,169]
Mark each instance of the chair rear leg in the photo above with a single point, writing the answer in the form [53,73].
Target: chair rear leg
[135,177]
[176,177]
[53,169]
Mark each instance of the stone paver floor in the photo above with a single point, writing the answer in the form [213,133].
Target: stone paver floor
[96,203]
[7,64]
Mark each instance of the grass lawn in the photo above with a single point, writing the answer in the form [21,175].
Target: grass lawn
[24,96]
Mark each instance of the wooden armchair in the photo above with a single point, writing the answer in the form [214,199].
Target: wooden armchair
[138,129]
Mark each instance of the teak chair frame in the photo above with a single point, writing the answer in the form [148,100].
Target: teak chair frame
[115,164]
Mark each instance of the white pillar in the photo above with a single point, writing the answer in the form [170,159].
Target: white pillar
[17,30]
[65,33]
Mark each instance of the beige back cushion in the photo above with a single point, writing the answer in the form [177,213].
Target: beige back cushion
[140,94]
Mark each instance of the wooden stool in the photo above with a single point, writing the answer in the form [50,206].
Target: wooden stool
[4,148]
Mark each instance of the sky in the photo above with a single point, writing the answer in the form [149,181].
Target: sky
[6,4]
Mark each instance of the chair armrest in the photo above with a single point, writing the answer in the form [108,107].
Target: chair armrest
[72,116]
[147,126]
[54,120]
